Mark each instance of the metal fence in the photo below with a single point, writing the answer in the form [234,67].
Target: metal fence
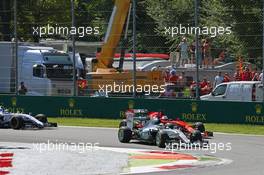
[230,38]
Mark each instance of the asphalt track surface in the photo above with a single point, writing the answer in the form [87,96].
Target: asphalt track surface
[247,152]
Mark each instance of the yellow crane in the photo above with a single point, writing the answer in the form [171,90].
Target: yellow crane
[113,34]
[103,72]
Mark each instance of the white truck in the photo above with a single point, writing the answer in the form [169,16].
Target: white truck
[246,91]
[44,70]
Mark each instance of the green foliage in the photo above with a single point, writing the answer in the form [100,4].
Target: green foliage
[94,13]
[36,13]
[215,14]
[148,39]
[170,13]
[244,18]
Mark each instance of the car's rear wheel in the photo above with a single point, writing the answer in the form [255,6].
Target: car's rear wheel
[16,123]
[42,118]
[124,134]
[196,136]
[161,139]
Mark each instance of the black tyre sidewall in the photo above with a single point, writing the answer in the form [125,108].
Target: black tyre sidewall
[162,137]
[200,126]
[126,134]
[16,123]
[196,136]
[42,118]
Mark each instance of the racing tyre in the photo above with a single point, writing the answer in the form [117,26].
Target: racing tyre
[16,123]
[122,124]
[42,118]
[53,124]
[124,134]
[161,139]
[196,136]
[199,126]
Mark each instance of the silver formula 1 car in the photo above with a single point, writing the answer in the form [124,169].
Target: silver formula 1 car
[22,121]
[155,127]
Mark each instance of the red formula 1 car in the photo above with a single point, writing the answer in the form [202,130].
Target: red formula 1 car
[155,127]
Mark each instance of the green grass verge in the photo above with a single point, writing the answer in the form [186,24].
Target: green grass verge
[113,123]
[236,128]
[148,162]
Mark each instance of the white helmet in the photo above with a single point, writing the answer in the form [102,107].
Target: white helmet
[164,117]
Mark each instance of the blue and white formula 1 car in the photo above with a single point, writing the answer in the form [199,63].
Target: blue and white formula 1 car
[22,121]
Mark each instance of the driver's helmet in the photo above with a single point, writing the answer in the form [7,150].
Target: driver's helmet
[1,109]
[164,117]
[170,125]
[155,120]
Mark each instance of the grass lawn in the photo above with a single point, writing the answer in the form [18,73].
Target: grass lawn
[113,123]
[236,128]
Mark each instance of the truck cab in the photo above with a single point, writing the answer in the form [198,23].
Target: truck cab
[246,91]
[45,71]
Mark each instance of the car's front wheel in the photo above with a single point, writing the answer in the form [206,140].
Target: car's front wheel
[16,122]
[196,136]
[124,134]
[42,118]
[161,139]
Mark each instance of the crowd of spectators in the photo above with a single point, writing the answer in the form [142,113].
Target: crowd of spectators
[247,75]
[187,53]
[179,85]
[174,83]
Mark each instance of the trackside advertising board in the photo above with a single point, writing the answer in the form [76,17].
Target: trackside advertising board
[114,108]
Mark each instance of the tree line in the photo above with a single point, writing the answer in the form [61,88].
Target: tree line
[244,18]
